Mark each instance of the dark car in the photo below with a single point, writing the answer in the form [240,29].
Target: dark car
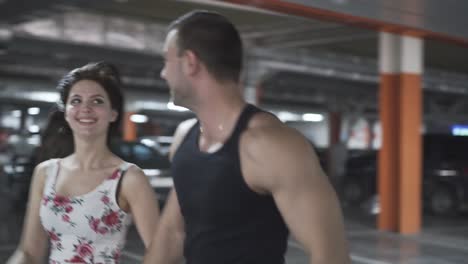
[155,165]
[360,182]
[15,180]
[445,175]
[445,166]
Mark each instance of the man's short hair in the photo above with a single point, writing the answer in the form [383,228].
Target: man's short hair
[215,41]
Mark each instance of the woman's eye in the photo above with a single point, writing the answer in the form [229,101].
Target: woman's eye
[75,101]
[98,101]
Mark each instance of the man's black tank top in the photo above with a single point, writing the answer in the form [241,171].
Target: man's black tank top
[225,221]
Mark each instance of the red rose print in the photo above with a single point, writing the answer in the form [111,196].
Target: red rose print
[68,209]
[105,199]
[111,219]
[84,250]
[94,223]
[53,236]
[61,200]
[66,218]
[116,255]
[103,230]
[114,175]
[45,200]
[76,259]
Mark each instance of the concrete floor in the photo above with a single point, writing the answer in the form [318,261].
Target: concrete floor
[442,241]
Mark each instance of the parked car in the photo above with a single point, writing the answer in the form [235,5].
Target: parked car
[161,143]
[15,179]
[155,165]
[445,175]
[360,181]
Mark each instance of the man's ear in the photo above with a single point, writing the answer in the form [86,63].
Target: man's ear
[191,62]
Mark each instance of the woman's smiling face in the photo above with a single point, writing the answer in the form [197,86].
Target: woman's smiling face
[88,109]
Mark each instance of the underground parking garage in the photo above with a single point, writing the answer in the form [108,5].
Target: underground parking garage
[379,90]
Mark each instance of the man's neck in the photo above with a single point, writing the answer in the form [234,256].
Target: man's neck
[218,118]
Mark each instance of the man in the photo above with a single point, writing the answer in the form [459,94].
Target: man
[242,178]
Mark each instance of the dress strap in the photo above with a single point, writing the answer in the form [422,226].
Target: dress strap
[116,179]
[51,174]
[124,167]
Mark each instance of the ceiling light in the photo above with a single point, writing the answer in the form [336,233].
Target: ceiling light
[286,116]
[16,113]
[34,129]
[34,110]
[310,117]
[136,118]
[152,172]
[44,96]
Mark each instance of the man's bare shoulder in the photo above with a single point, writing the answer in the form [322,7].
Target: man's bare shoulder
[264,119]
[270,149]
[265,128]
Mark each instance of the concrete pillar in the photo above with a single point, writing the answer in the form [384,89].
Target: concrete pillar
[129,128]
[399,162]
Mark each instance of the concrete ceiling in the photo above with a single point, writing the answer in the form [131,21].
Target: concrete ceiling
[272,30]
[43,39]
[444,19]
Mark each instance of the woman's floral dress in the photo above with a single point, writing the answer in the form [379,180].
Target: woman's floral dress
[89,228]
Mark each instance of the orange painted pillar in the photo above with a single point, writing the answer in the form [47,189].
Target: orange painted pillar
[400,173]
[129,128]
[388,154]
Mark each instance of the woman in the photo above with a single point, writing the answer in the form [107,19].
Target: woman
[84,202]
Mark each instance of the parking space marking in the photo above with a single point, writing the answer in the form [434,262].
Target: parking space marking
[454,227]
[361,233]
[456,244]
[367,260]
[360,259]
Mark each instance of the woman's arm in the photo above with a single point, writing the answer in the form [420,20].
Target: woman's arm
[142,202]
[33,243]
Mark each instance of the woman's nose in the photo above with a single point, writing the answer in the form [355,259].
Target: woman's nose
[87,107]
